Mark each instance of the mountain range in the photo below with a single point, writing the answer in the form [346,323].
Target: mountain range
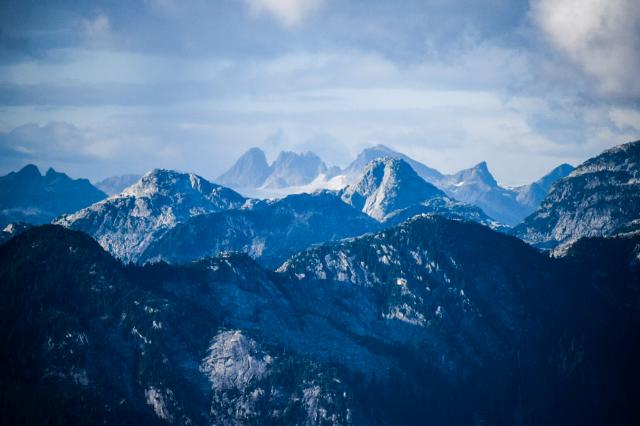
[390,300]
[475,186]
[35,201]
[388,192]
[289,169]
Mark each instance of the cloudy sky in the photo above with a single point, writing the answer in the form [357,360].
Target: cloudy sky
[103,88]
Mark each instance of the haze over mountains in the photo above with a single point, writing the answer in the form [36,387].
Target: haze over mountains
[475,186]
[389,300]
[289,170]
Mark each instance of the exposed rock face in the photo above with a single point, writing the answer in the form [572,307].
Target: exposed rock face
[233,361]
[290,173]
[598,197]
[127,223]
[27,196]
[131,345]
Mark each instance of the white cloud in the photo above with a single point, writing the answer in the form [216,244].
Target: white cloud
[601,36]
[290,13]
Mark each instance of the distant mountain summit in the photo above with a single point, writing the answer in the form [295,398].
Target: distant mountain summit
[116,184]
[290,169]
[389,190]
[293,169]
[294,173]
[353,170]
[477,186]
[387,185]
[599,197]
[478,175]
[126,223]
[28,196]
[533,194]
[250,171]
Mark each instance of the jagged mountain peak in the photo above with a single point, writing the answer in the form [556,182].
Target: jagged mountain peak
[180,187]
[288,159]
[387,185]
[254,152]
[29,170]
[249,171]
[477,174]
[477,186]
[292,155]
[396,165]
